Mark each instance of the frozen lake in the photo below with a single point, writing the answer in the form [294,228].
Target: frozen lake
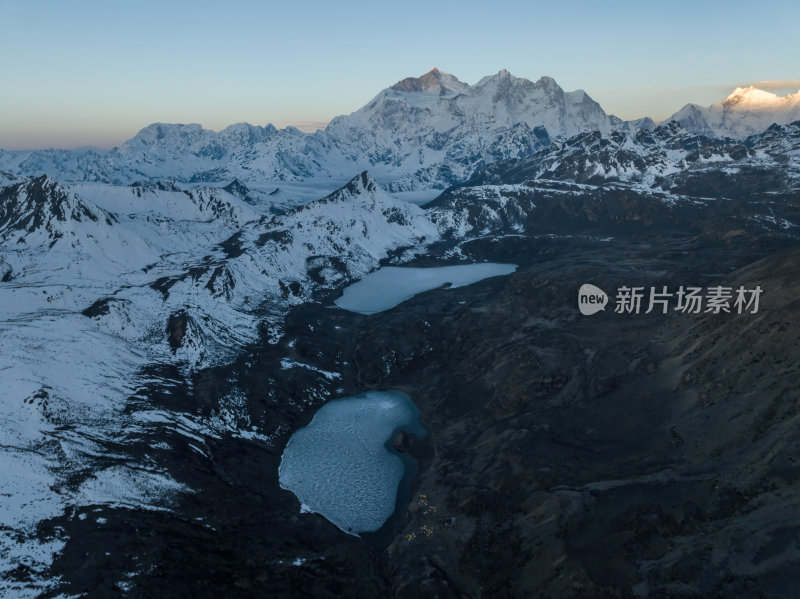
[342,465]
[388,286]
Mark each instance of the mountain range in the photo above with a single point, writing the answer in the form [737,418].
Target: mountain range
[746,111]
[423,133]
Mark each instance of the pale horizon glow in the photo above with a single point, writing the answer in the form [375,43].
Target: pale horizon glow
[94,73]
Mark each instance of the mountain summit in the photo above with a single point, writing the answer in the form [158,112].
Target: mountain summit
[432,81]
[434,130]
[422,133]
[746,111]
[495,101]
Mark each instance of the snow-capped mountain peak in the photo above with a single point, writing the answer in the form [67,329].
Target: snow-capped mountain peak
[750,95]
[746,111]
[43,209]
[754,97]
[421,134]
[358,186]
[434,81]
[156,132]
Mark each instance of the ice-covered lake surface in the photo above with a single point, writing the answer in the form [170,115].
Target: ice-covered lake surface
[342,465]
[388,286]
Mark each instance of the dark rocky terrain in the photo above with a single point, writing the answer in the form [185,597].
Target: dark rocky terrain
[567,456]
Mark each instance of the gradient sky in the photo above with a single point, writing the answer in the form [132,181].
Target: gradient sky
[91,72]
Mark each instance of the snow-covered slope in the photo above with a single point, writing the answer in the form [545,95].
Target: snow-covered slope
[130,257]
[99,282]
[746,111]
[421,133]
[666,166]
[94,231]
[654,159]
[435,130]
